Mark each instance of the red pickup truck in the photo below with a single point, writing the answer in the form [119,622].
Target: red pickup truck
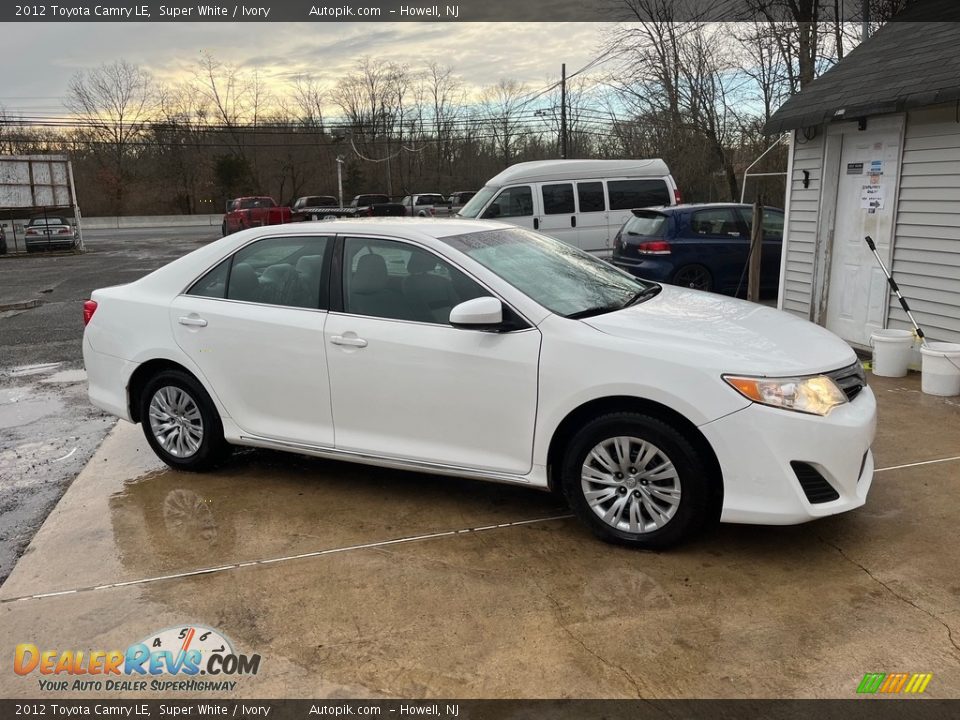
[247,212]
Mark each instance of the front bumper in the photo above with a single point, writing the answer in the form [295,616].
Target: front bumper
[755,447]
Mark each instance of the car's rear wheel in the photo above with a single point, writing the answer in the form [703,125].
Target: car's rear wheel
[636,480]
[694,276]
[181,423]
[223,229]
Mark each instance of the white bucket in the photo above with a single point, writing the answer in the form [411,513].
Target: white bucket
[891,352]
[941,368]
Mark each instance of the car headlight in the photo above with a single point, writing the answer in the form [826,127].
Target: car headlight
[816,394]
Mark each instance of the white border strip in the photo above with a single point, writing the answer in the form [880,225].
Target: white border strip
[287,558]
[918,464]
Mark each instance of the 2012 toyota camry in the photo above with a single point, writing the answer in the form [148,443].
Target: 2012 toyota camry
[478,349]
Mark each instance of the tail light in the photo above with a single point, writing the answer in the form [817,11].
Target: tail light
[89,308]
[32,231]
[677,196]
[653,247]
[63,231]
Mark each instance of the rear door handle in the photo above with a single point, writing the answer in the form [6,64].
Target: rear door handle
[573,221]
[194,321]
[348,341]
[536,223]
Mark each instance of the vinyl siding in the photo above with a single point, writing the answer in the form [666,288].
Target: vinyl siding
[802,228]
[926,253]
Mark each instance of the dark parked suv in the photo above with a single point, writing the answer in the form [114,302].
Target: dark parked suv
[699,246]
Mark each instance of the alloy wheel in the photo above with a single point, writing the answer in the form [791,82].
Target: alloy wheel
[697,278]
[176,421]
[630,484]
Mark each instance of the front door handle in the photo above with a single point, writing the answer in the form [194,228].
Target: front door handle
[193,321]
[536,223]
[573,221]
[348,341]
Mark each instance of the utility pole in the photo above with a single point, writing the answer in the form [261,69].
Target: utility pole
[563,110]
[865,28]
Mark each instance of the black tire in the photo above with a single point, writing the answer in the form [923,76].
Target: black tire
[212,449]
[691,515]
[696,277]
[223,229]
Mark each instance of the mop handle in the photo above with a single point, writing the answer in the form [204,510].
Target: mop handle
[895,288]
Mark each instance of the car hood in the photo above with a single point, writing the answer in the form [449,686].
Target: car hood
[732,336]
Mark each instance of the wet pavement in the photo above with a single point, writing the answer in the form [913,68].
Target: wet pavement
[352,581]
[48,430]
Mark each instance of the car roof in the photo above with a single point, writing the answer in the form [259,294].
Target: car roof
[424,229]
[688,207]
[548,170]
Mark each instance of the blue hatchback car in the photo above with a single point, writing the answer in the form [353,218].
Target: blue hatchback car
[704,247]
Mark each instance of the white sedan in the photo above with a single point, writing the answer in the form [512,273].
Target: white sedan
[482,350]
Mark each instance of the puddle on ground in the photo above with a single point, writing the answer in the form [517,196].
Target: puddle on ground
[65,377]
[35,369]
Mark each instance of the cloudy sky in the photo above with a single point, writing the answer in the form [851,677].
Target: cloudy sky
[41,58]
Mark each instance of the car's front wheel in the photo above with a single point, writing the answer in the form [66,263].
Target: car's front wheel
[181,423]
[636,480]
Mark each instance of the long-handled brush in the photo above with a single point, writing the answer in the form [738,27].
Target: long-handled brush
[896,290]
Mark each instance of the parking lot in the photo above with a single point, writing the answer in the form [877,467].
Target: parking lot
[353,581]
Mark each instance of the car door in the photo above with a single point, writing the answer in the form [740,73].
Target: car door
[253,325]
[772,244]
[514,205]
[717,240]
[559,218]
[406,384]
[592,217]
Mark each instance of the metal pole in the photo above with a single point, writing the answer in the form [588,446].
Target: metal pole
[340,179]
[865,29]
[756,254]
[563,110]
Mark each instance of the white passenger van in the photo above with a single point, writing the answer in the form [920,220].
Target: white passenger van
[581,202]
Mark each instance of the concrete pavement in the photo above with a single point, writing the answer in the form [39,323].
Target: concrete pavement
[358,582]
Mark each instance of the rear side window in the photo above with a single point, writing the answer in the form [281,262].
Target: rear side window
[558,199]
[629,194]
[716,222]
[646,225]
[287,271]
[590,195]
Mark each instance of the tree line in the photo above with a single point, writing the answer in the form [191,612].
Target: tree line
[693,92]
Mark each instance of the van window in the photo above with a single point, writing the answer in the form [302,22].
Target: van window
[629,194]
[512,202]
[591,197]
[558,199]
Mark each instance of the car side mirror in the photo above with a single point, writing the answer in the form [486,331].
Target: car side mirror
[482,313]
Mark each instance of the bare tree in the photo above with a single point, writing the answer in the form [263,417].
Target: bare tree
[503,104]
[113,102]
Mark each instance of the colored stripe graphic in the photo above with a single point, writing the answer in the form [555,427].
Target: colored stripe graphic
[893,683]
[871,682]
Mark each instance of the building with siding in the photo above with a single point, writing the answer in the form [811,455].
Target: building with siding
[875,150]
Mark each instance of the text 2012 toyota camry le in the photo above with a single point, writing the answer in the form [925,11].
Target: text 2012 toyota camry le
[477,349]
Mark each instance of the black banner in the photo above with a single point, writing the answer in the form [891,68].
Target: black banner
[859,709]
[452,11]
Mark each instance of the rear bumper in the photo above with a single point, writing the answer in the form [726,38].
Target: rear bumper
[107,380]
[755,447]
[51,244]
[655,267]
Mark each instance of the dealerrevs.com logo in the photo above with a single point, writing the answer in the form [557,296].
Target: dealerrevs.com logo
[193,658]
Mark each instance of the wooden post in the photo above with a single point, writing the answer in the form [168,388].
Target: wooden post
[756,251]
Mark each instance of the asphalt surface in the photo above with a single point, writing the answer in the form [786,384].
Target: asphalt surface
[48,429]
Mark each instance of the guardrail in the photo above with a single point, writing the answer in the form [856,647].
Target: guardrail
[148,221]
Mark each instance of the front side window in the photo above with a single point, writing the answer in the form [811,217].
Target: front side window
[288,271]
[558,199]
[561,278]
[772,222]
[630,194]
[394,280]
[512,202]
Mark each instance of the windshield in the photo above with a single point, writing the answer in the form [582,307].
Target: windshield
[561,278]
[475,205]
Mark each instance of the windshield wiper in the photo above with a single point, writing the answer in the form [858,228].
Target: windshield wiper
[590,312]
[644,294]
